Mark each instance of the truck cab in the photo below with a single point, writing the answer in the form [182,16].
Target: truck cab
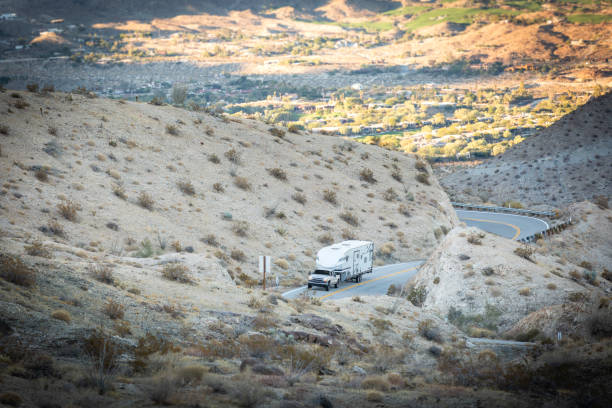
[323,278]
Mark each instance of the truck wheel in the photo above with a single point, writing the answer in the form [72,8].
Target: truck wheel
[309,286]
[336,285]
[327,287]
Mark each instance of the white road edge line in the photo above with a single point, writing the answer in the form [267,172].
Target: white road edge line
[512,215]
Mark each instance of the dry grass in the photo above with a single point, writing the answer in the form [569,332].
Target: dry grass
[211,240]
[42,174]
[114,310]
[119,190]
[233,156]
[378,383]
[62,315]
[281,263]
[330,196]
[326,238]
[240,228]
[390,195]
[423,178]
[299,198]
[525,292]
[186,187]
[526,252]
[146,201]
[278,173]
[56,228]
[218,188]
[68,209]
[213,158]
[366,174]
[474,239]
[238,255]
[172,130]
[242,183]
[403,209]
[349,218]
[102,273]
[277,132]
[37,249]
[12,269]
[177,272]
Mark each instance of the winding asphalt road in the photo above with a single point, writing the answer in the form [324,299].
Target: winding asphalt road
[507,225]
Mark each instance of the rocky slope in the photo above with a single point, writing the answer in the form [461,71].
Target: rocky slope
[142,180]
[569,161]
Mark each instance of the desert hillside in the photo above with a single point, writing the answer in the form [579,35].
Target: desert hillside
[569,161]
[143,180]
[487,295]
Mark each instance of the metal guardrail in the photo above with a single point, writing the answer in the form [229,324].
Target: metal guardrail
[504,209]
[555,229]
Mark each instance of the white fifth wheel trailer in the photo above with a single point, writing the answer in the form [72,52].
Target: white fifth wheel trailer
[347,260]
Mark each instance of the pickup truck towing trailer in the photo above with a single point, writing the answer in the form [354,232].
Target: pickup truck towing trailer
[344,261]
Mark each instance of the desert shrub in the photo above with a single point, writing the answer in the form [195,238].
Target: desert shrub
[103,354]
[601,201]
[114,310]
[293,128]
[299,198]
[599,323]
[396,174]
[429,331]
[177,272]
[374,396]
[161,388]
[488,271]
[102,273]
[390,195]
[68,209]
[326,238]
[179,94]
[474,239]
[330,196]
[607,275]
[525,292]
[240,228]
[233,156]
[242,183]
[590,277]
[393,290]
[417,295]
[551,286]
[145,250]
[386,250]
[213,158]
[37,249]
[211,240]
[366,174]
[527,336]
[190,374]
[255,303]
[176,246]
[146,201]
[248,393]
[32,87]
[186,187]
[62,315]
[586,265]
[348,234]
[421,166]
[5,130]
[218,188]
[56,228]
[119,191]
[12,269]
[375,383]
[526,252]
[349,218]
[281,263]
[436,280]
[21,104]
[403,209]
[423,178]
[42,174]
[277,132]
[11,399]
[278,173]
[238,255]
[172,130]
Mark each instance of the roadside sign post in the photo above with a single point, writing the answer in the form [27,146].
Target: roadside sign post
[264,266]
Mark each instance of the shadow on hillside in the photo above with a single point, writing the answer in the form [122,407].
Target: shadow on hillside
[105,11]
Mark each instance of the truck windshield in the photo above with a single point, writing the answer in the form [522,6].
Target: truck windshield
[319,272]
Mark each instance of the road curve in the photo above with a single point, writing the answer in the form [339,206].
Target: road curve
[507,225]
